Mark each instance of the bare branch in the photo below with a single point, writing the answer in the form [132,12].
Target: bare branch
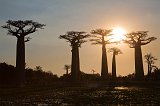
[148,40]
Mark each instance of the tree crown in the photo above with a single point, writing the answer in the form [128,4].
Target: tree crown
[115,50]
[150,59]
[99,34]
[75,37]
[66,67]
[139,37]
[22,28]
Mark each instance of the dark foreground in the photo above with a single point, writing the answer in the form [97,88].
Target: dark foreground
[80,96]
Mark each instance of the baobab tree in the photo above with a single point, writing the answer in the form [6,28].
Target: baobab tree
[21,29]
[150,60]
[100,36]
[136,40]
[67,68]
[115,51]
[75,38]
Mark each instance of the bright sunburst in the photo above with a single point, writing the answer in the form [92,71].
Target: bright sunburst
[118,34]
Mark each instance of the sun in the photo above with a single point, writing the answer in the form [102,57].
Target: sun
[118,34]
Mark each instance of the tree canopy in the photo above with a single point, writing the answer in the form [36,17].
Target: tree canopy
[22,28]
[115,50]
[75,37]
[139,37]
[98,36]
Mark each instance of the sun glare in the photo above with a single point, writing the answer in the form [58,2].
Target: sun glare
[118,34]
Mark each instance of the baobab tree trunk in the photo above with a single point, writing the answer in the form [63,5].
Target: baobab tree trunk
[73,63]
[104,68]
[114,66]
[75,67]
[139,71]
[67,71]
[78,65]
[20,60]
[149,70]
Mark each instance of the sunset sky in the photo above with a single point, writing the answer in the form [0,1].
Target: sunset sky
[60,16]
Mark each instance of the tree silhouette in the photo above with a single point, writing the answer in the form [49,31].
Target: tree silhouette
[93,71]
[99,37]
[76,39]
[38,68]
[115,51]
[136,40]
[150,60]
[21,29]
[67,68]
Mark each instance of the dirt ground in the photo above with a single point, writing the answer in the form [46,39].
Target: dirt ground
[80,96]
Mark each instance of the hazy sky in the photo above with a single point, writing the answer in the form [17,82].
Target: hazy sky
[46,50]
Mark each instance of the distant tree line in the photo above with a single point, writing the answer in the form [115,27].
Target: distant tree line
[35,76]
[38,76]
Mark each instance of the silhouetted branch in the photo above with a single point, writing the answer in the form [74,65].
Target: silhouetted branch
[146,41]
[115,50]
[27,39]
[98,36]
[139,37]
[75,37]
[22,28]
[102,32]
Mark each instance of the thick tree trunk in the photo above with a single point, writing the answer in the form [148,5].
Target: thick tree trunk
[75,67]
[67,71]
[114,66]
[20,60]
[139,71]
[73,63]
[104,67]
[78,65]
[149,70]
